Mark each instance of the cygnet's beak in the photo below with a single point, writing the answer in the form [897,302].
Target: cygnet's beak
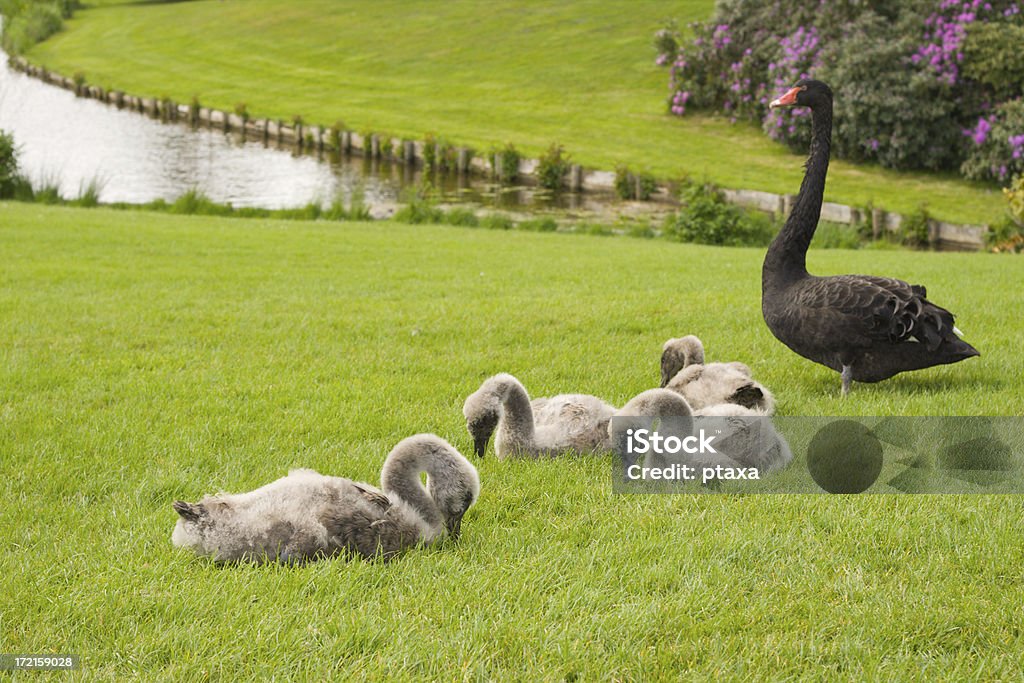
[454,525]
[666,373]
[480,445]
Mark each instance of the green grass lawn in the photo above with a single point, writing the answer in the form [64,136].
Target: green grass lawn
[148,357]
[520,71]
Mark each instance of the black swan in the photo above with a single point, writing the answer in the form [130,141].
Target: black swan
[866,328]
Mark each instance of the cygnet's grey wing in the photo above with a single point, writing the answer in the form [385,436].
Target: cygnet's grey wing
[352,519]
[539,408]
[748,438]
[373,495]
[575,421]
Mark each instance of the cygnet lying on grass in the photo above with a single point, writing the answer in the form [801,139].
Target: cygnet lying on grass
[705,384]
[307,516]
[545,426]
[745,435]
[668,414]
[743,438]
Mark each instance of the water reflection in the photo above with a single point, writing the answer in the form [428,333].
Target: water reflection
[70,142]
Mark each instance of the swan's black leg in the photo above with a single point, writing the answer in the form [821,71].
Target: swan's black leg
[847,376]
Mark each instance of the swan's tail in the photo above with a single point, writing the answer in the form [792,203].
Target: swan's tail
[882,363]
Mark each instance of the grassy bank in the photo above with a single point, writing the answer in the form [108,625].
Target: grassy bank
[530,73]
[148,357]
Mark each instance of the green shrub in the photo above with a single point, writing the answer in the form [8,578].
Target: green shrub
[21,190]
[497,221]
[1015,198]
[8,164]
[913,230]
[910,77]
[993,56]
[28,23]
[88,194]
[310,212]
[552,167]
[629,185]
[666,42]
[195,202]
[355,210]
[623,182]
[334,135]
[836,236]
[438,154]
[462,216]
[418,207]
[640,230]
[48,191]
[596,229]
[1008,234]
[706,218]
[996,147]
[506,163]
[900,118]
[546,224]
[242,111]
[429,151]
[252,212]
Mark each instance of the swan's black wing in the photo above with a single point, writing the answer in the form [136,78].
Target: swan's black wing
[864,310]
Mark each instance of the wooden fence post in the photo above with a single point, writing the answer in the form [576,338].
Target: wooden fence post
[877,223]
[576,178]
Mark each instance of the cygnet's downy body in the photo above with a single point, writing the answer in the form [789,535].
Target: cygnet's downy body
[544,427]
[684,371]
[307,516]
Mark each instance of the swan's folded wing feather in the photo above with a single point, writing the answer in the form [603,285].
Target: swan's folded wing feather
[848,299]
[372,496]
[876,308]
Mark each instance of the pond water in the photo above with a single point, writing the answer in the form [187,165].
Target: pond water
[72,142]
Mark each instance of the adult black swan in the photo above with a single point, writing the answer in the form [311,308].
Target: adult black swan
[867,328]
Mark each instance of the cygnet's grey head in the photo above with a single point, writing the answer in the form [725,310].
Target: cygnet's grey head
[677,354]
[456,491]
[453,483]
[660,409]
[196,523]
[482,411]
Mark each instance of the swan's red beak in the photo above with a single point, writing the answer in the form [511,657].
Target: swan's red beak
[787,100]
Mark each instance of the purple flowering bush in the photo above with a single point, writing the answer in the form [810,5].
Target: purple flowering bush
[919,83]
[996,148]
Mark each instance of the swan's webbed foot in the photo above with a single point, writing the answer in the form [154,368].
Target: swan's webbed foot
[847,375]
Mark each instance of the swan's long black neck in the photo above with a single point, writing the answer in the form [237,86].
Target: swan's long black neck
[787,256]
